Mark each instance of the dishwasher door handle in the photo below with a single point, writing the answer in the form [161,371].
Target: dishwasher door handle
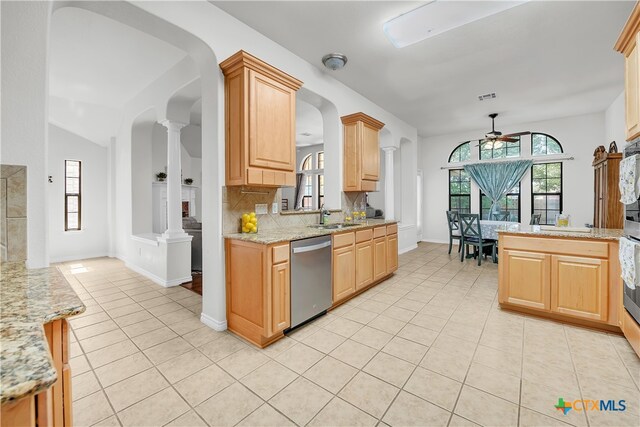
[302,249]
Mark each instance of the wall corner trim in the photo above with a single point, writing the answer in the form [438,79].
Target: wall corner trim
[216,325]
[160,281]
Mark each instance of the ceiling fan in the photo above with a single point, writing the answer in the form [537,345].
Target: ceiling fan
[495,139]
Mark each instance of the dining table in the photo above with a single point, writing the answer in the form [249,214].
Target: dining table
[490,228]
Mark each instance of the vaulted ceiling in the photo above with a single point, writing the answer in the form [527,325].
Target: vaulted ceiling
[543,59]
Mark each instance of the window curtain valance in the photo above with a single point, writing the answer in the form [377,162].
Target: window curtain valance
[497,178]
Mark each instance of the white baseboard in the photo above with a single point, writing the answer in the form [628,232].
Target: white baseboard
[79,257]
[444,242]
[214,324]
[156,279]
[407,249]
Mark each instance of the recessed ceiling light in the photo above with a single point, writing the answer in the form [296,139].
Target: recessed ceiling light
[438,17]
[334,61]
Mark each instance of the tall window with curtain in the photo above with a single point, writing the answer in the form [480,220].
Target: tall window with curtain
[72,195]
[459,191]
[508,206]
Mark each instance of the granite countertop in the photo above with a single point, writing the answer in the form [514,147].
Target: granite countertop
[296,233]
[531,230]
[30,298]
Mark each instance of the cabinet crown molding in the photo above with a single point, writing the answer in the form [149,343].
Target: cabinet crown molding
[242,59]
[627,37]
[362,117]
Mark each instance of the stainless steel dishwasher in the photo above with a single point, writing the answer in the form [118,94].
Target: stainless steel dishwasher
[310,278]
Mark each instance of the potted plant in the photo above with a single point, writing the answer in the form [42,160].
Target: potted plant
[188,181]
[161,176]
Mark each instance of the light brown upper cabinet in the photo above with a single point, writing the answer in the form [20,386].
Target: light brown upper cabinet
[361,152]
[260,122]
[627,44]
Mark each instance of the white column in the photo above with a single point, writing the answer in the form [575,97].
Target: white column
[174,181]
[389,198]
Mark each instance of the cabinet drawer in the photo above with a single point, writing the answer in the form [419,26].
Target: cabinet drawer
[367,185]
[392,229]
[341,240]
[364,235]
[560,246]
[280,253]
[379,232]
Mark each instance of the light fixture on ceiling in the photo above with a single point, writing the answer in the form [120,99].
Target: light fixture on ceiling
[437,17]
[334,61]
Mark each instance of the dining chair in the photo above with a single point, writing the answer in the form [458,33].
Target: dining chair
[535,219]
[500,216]
[454,229]
[472,236]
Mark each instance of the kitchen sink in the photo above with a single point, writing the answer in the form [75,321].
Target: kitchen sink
[332,226]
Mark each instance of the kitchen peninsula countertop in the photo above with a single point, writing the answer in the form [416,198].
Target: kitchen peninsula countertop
[30,298]
[594,233]
[268,237]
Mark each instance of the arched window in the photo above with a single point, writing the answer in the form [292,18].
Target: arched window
[307,163]
[461,153]
[544,145]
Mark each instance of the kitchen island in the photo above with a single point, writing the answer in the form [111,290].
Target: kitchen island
[34,346]
[258,270]
[560,274]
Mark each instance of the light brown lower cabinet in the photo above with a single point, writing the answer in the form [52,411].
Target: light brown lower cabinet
[52,407]
[572,279]
[258,290]
[344,272]
[579,287]
[258,278]
[364,264]
[379,258]
[524,279]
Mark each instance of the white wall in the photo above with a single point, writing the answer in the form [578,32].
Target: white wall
[614,123]
[92,240]
[210,36]
[579,136]
[24,104]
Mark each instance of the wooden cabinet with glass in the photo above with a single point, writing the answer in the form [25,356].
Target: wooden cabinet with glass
[361,152]
[577,280]
[260,122]
[627,44]
[608,211]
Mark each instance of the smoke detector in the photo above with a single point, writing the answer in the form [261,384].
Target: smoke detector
[487,96]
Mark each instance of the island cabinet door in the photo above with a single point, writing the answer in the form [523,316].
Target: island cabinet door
[524,279]
[344,272]
[579,287]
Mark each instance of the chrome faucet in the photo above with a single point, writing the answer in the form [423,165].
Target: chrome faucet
[323,214]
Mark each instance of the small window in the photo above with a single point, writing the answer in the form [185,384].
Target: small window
[459,191]
[308,192]
[461,153]
[546,191]
[499,149]
[320,190]
[321,160]
[72,196]
[544,145]
[508,206]
[307,163]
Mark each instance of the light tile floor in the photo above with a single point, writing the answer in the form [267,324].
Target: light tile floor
[429,346]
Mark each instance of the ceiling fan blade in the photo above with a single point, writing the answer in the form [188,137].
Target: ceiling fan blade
[517,134]
[507,139]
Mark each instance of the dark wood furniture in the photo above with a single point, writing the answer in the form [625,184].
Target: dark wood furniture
[608,211]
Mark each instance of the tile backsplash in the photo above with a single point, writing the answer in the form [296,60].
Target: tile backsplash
[13,213]
[238,200]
